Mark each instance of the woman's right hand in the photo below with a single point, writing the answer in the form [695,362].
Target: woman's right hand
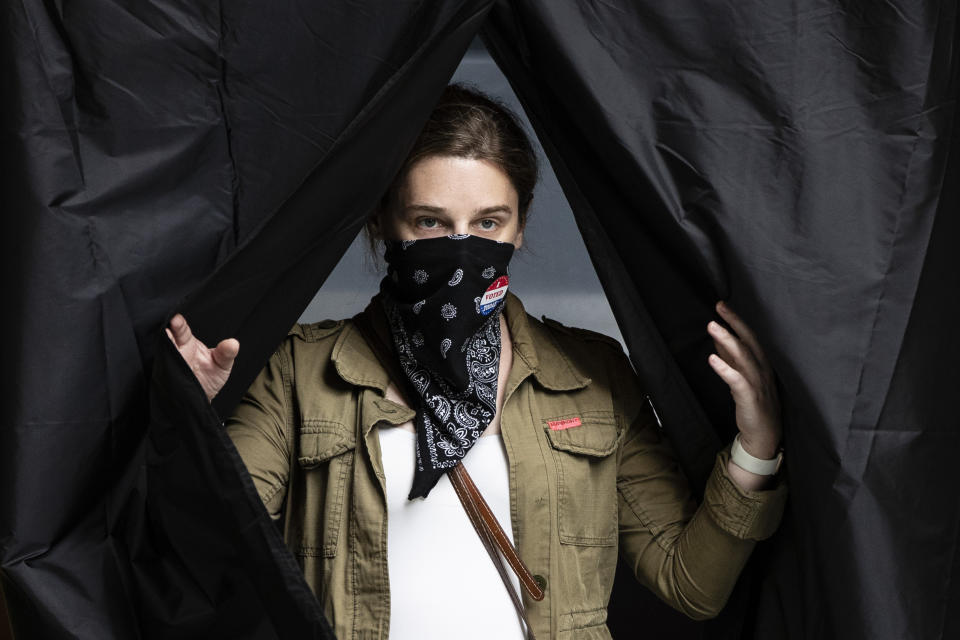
[210,366]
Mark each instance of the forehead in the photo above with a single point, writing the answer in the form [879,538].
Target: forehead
[446,180]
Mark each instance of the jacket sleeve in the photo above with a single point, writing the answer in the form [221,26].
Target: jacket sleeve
[259,430]
[689,555]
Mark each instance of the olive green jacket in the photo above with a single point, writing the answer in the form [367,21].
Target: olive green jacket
[578,495]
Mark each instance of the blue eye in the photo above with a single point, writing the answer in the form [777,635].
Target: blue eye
[488,225]
[427,223]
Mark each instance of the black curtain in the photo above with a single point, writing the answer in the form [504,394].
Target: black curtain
[795,158]
[800,160]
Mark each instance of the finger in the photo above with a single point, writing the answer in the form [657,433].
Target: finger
[740,358]
[225,353]
[745,332]
[181,330]
[722,351]
[739,386]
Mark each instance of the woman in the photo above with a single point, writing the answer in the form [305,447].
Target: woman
[549,420]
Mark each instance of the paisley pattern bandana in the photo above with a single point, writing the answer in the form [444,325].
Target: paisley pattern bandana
[443,298]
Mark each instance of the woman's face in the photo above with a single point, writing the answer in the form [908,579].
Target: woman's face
[445,195]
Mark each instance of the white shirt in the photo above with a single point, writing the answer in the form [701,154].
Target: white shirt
[443,583]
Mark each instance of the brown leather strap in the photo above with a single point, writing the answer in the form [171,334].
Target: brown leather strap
[473,513]
[459,475]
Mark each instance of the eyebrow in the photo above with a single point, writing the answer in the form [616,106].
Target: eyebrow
[500,208]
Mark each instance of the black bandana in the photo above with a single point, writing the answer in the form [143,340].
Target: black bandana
[443,298]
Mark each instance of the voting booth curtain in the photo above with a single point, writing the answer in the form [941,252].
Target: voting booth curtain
[796,158]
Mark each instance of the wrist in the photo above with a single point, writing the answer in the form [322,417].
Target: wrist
[762,448]
[747,461]
[745,479]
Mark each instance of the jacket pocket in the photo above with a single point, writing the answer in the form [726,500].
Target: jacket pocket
[325,457]
[584,446]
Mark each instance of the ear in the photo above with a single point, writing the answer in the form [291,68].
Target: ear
[518,239]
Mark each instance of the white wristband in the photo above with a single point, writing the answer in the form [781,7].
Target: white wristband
[747,462]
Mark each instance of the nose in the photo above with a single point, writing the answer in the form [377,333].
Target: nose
[461,227]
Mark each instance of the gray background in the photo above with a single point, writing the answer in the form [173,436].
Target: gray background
[551,274]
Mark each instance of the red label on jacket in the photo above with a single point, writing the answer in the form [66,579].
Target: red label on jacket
[560,425]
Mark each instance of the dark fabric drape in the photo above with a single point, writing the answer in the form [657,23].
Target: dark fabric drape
[798,160]
[154,151]
[795,158]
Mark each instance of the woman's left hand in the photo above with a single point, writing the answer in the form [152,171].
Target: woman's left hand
[742,364]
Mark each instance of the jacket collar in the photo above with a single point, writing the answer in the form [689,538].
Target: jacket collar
[533,347]
[537,349]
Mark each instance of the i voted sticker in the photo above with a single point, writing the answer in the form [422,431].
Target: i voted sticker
[494,294]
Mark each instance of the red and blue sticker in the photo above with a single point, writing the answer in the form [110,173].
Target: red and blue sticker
[494,294]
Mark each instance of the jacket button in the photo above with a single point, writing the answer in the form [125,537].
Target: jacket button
[541,581]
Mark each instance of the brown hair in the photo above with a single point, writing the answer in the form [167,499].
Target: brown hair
[466,123]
